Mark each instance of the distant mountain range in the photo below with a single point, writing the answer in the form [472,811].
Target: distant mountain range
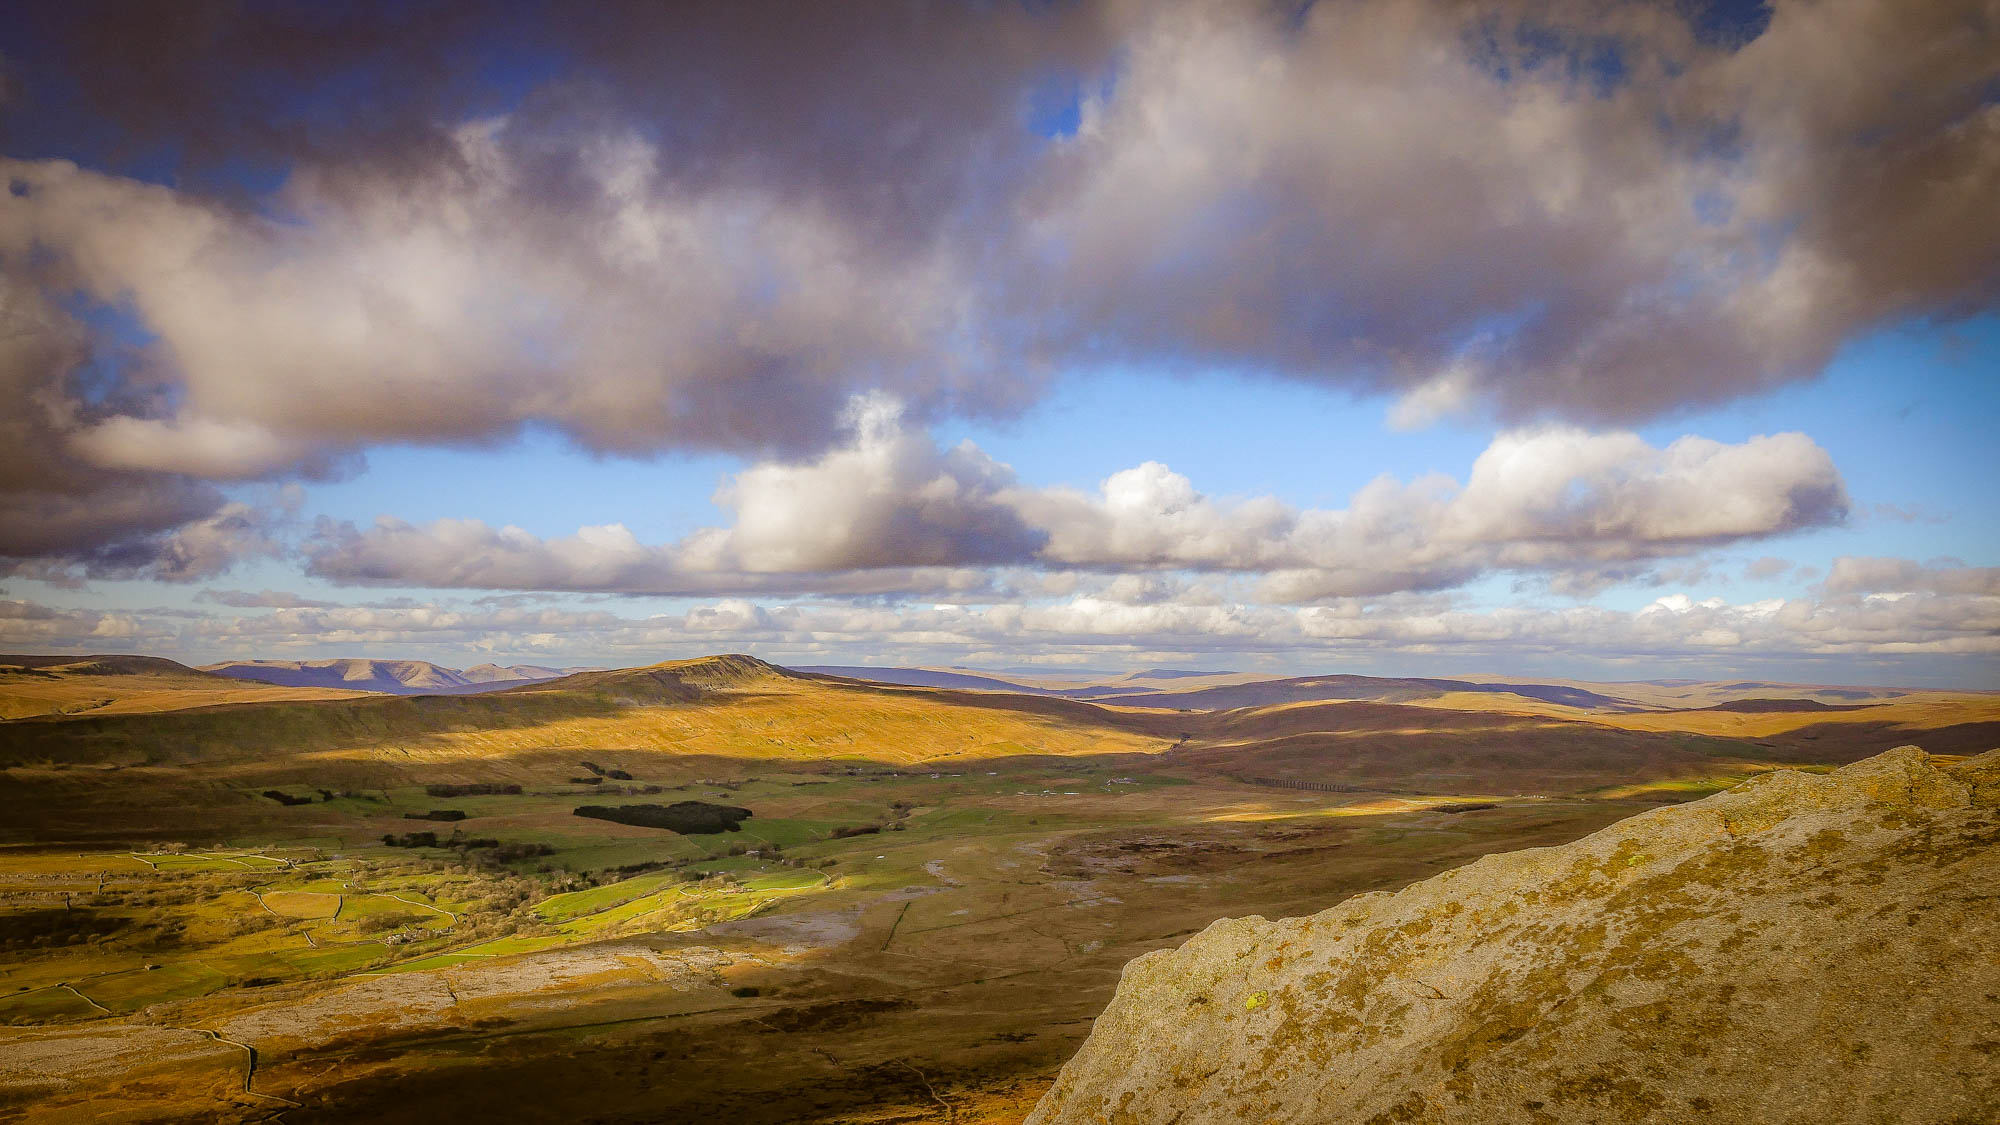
[1164,689]
[1305,689]
[941,678]
[1222,690]
[396,677]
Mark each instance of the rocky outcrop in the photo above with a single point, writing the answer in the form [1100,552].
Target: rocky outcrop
[1802,948]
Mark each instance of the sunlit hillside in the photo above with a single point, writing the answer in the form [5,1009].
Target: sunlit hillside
[121,685]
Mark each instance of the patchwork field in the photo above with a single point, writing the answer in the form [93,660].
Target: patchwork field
[387,909]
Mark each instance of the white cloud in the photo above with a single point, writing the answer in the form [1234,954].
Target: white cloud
[1961,628]
[889,498]
[889,511]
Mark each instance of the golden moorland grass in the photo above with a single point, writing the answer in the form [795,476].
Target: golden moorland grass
[97,686]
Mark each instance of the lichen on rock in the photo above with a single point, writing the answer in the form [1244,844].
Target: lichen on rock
[1802,948]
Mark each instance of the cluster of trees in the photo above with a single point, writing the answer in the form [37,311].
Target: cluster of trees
[689,818]
[477,789]
[284,798]
[436,814]
[495,852]
[479,849]
[628,790]
[389,920]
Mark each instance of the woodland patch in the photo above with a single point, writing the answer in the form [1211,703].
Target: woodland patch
[689,818]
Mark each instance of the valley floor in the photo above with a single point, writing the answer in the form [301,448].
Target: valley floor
[953,958]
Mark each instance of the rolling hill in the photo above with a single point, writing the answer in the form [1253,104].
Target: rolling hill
[718,715]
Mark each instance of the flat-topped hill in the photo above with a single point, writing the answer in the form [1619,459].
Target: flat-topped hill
[1800,948]
[672,681]
[99,665]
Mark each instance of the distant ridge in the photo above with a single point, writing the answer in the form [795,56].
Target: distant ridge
[968,681]
[112,665]
[1311,689]
[921,677]
[514,673]
[1763,706]
[1126,691]
[394,677]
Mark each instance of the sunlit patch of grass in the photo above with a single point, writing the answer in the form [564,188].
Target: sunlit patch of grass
[498,947]
[1381,806]
[788,832]
[88,865]
[173,980]
[336,959]
[790,880]
[574,904]
[48,1004]
[1682,787]
[666,908]
[302,904]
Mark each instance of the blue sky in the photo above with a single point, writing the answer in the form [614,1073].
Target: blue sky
[523,338]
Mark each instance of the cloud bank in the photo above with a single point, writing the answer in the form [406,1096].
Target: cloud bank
[888,511]
[711,227]
[1100,625]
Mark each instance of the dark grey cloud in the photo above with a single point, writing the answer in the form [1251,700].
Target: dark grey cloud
[205,83]
[60,515]
[65,516]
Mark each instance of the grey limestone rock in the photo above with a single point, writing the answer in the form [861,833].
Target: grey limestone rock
[1802,948]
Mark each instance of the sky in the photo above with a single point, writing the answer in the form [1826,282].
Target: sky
[1594,340]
